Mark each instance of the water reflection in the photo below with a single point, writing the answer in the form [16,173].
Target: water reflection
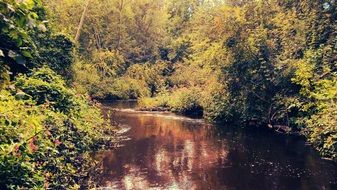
[171,152]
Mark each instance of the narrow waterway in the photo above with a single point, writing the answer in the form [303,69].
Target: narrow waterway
[166,151]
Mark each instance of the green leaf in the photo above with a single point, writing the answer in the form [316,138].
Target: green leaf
[30,4]
[27,54]
[33,15]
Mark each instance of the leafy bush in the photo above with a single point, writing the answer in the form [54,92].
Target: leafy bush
[44,86]
[88,81]
[26,42]
[56,51]
[109,64]
[96,76]
[321,131]
[46,129]
[128,88]
[159,102]
[317,100]
[46,133]
[17,47]
[138,81]
[215,103]
[184,101]
[151,74]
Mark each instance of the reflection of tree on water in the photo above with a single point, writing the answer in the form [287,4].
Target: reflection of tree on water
[168,152]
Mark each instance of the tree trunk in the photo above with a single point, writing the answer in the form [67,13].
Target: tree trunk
[80,25]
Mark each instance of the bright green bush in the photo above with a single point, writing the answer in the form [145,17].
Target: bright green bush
[87,80]
[321,131]
[109,64]
[27,42]
[151,74]
[46,133]
[183,101]
[46,129]
[186,101]
[128,88]
[18,18]
[20,120]
[44,86]
[154,103]
[215,103]
[133,85]
[211,102]
[318,100]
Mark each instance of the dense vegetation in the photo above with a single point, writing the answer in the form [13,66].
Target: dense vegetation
[47,130]
[270,63]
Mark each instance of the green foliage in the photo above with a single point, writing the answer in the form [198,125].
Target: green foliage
[56,51]
[151,74]
[46,129]
[16,45]
[88,80]
[27,43]
[135,29]
[273,61]
[216,105]
[211,102]
[316,74]
[128,88]
[184,101]
[269,61]
[159,102]
[318,96]
[19,122]
[44,86]
[321,130]
[42,144]
[96,76]
[110,77]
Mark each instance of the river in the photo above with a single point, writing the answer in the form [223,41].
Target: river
[167,151]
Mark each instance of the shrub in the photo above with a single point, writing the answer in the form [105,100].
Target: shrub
[186,101]
[46,133]
[56,51]
[158,102]
[127,88]
[183,100]
[216,104]
[88,81]
[151,74]
[322,131]
[44,86]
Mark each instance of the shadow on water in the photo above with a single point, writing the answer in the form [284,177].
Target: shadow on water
[167,151]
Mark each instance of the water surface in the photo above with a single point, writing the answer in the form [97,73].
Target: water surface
[167,151]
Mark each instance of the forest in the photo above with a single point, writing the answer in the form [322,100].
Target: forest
[268,63]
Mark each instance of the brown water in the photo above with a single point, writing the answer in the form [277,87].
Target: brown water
[174,152]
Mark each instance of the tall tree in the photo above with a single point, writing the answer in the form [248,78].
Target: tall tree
[80,25]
